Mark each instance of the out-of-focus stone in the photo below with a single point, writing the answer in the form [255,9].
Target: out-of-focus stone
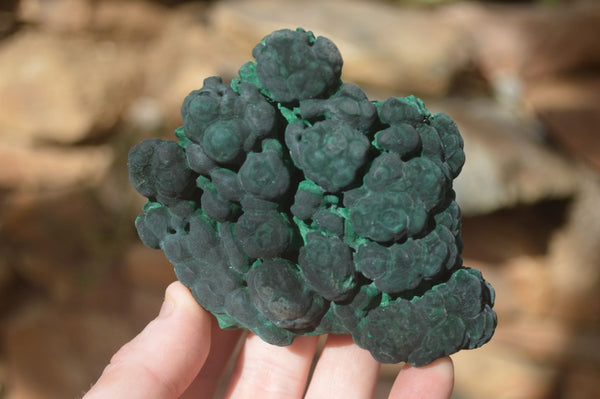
[545,340]
[64,243]
[410,50]
[424,2]
[515,233]
[68,16]
[63,89]
[570,111]
[129,20]
[29,168]
[531,41]
[499,371]
[146,115]
[585,345]
[580,381]
[508,163]
[523,287]
[551,341]
[7,21]
[532,288]
[3,377]
[6,275]
[506,305]
[575,257]
[147,268]
[58,353]
[123,20]
[144,305]
[173,71]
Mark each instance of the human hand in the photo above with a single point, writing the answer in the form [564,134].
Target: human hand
[183,353]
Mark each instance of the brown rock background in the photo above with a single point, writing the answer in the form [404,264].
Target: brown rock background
[81,81]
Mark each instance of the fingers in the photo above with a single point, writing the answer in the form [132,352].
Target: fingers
[206,383]
[434,381]
[266,371]
[344,371]
[165,357]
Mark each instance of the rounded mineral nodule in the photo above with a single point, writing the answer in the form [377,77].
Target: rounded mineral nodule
[290,204]
[294,65]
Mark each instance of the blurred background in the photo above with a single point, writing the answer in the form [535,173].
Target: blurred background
[81,81]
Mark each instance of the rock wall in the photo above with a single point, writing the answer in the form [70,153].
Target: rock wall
[81,81]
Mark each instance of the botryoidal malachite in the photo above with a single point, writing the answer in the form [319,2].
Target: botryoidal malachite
[290,204]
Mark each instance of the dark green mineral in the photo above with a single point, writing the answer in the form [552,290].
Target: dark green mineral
[290,204]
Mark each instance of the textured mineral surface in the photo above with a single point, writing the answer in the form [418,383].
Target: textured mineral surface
[291,204]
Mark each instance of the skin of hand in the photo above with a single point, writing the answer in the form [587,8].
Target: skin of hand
[182,354]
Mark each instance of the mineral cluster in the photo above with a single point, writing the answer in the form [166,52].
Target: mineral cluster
[290,204]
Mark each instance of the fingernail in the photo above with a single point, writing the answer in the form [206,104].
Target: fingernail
[167,307]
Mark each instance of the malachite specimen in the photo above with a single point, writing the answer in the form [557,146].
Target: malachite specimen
[291,204]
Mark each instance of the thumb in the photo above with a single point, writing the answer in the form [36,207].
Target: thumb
[165,357]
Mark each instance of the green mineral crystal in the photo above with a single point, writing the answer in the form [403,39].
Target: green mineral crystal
[290,204]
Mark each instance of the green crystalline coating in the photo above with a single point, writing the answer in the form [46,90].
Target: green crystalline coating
[290,205]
